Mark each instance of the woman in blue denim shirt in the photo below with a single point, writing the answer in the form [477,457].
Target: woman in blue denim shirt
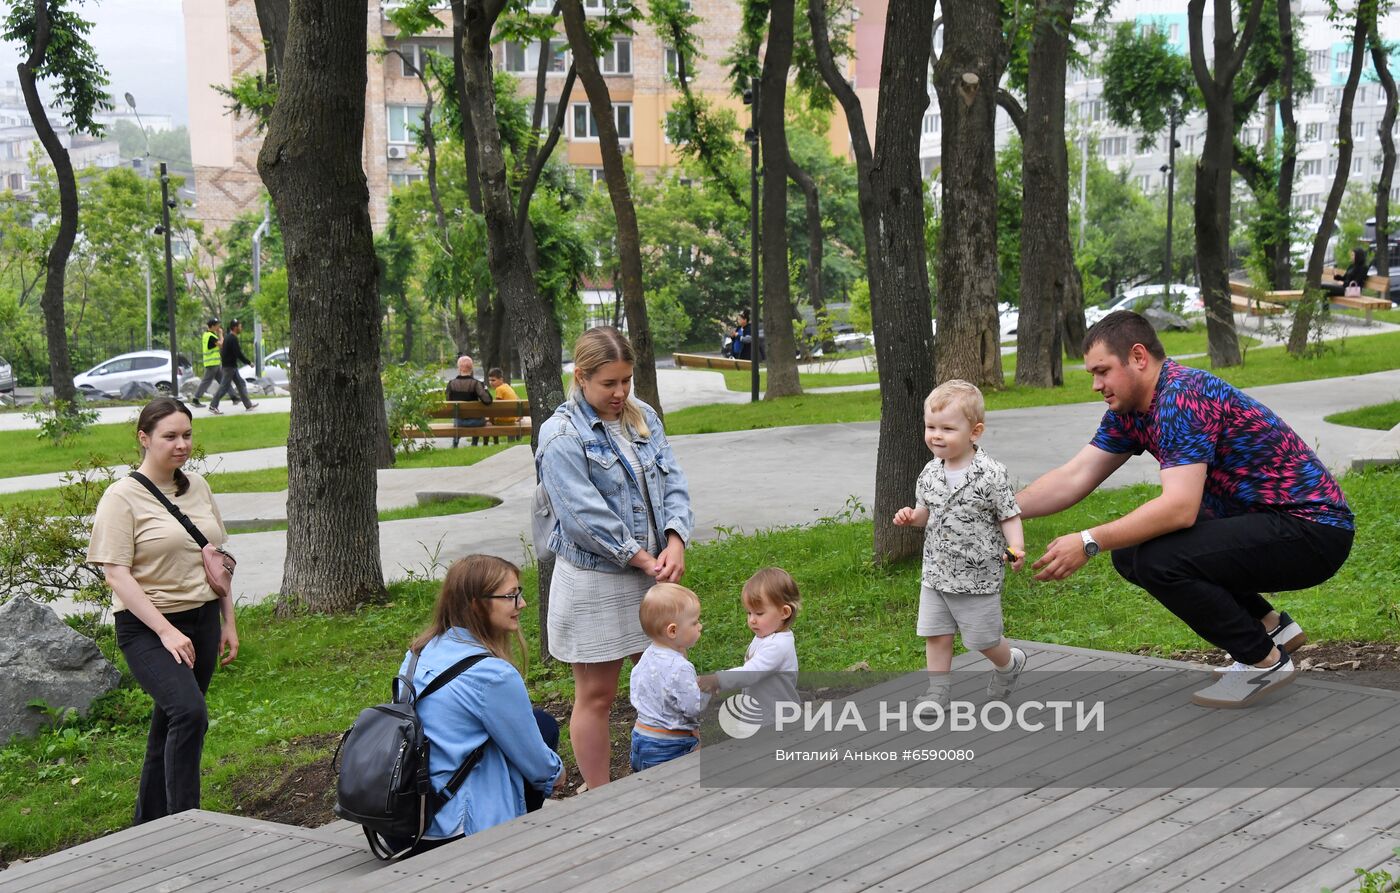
[478,610]
[623,518]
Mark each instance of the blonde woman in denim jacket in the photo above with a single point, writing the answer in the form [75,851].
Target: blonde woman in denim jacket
[623,518]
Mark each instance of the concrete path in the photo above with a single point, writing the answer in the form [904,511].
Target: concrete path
[748,480]
[107,415]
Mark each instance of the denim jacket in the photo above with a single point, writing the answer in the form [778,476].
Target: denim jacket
[601,518]
[486,703]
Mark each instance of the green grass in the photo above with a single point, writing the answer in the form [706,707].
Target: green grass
[1355,356]
[115,444]
[459,505]
[273,480]
[1381,417]
[298,682]
[1390,316]
[742,380]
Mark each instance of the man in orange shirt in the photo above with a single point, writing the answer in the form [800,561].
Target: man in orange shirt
[502,390]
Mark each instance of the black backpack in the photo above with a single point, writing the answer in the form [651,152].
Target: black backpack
[382,767]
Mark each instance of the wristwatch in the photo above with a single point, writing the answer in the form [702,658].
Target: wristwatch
[1091,548]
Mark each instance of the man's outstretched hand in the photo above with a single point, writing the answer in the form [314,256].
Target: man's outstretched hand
[1062,557]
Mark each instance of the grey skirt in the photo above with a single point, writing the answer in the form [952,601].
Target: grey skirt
[593,614]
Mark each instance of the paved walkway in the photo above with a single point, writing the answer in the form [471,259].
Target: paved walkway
[773,477]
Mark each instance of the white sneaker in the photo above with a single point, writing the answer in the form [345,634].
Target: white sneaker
[1231,668]
[1002,682]
[939,691]
[1242,685]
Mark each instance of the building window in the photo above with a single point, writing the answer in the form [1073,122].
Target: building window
[933,123]
[398,181]
[1144,182]
[16,182]
[1114,145]
[618,60]
[1320,60]
[1310,168]
[1174,33]
[515,57]
[415,55]
[1312,133]
[1359,130]
[673,65]
[1356,163]
[586,126]
[1188,143]
[403,121]
[1344,58]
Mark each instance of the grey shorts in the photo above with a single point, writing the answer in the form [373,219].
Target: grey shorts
[977,617]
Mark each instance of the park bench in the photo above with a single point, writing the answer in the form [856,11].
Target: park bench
[1378,284]
[704,361]
[454,412]
[1258,302]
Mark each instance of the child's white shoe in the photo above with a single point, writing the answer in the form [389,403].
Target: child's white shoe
[1004,681]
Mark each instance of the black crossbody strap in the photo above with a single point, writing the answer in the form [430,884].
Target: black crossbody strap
[200,539]
[460,776]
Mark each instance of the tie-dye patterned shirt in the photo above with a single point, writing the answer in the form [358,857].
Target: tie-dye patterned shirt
[1254,461]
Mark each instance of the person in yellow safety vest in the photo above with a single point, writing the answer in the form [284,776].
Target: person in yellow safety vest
[211,340]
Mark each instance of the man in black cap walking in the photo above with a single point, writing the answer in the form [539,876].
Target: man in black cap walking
[230,355]
[209,344]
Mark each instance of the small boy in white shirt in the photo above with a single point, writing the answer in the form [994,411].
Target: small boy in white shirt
[769,672]
[973,524]
[663,685]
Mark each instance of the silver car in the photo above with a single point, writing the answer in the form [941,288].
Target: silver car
[7,376]
[151,367]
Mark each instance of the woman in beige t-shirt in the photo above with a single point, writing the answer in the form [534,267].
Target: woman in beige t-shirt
[171,626]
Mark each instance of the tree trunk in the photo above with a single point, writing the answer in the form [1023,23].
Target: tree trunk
[1314,301]
[1212,210]
[273,17]
[772,129]
[461,327]
[1281,263]
[1046,272]
[815,246]
[966,76]
[629,240]
[311,164]
[891,193]
[532,321]
[51,300]
[1380,56]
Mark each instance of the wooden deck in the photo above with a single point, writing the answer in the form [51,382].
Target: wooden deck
[1261,830]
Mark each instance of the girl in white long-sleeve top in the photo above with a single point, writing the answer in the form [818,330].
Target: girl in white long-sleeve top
[769,672]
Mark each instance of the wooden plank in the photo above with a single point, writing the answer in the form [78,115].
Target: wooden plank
[439,431]
[1255,308]
[475,409]
[703,361]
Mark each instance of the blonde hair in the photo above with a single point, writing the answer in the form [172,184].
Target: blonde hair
[464,602]
[774,587]
[596,348]
[663,604]
[959,393]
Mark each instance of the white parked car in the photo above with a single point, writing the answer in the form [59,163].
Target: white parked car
[7,376]
[1008,318]
[1189,297]
[276,369]
[151,367]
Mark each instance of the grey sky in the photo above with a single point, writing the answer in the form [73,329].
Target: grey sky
[142,45]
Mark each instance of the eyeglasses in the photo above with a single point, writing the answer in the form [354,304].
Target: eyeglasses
[516,595]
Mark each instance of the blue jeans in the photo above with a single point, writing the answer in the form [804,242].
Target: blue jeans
[648,751]
[468,423]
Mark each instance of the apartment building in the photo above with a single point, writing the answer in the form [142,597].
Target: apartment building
[1324,49]
[223,42]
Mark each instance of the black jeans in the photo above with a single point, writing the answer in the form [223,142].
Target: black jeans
[170,774]
[231,381]
[1211,573]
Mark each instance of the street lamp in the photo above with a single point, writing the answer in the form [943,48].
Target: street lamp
[145,194]
[751,137]
[166,204]
[1174,116]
